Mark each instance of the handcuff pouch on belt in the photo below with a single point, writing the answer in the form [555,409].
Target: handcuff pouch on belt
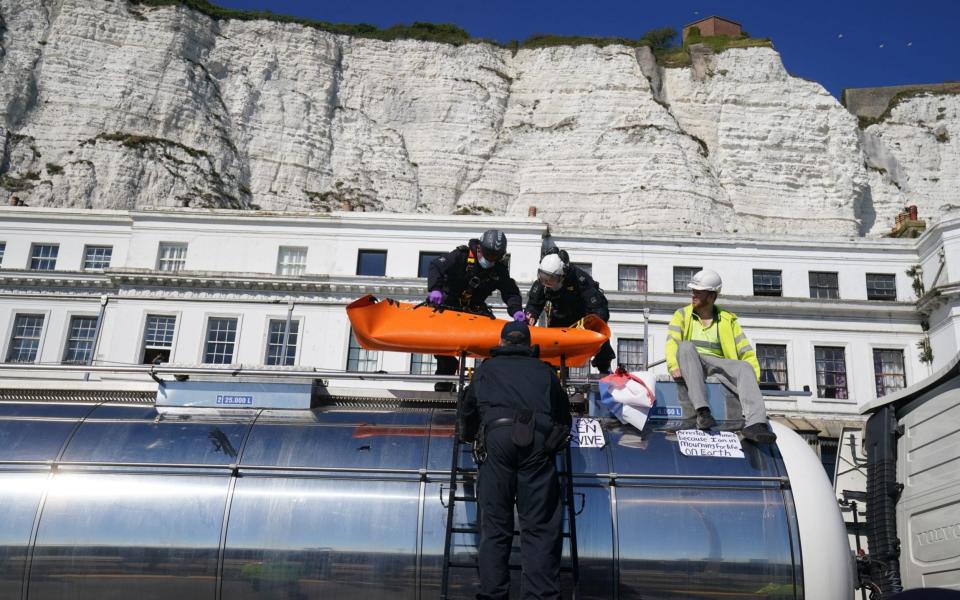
[521,434]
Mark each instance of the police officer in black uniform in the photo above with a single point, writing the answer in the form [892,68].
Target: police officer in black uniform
[523,416]
[465,278]
[572,294]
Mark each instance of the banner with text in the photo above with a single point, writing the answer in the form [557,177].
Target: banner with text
[723,444]
[586,433]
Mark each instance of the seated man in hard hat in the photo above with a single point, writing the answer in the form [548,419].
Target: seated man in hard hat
[465,278]
[703,339]
[572,294]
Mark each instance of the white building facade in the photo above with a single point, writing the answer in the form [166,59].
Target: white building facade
[199,287]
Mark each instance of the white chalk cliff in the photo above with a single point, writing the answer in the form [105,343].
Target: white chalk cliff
[108,104]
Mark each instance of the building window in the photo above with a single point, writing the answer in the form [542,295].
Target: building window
[80,340]
[682,276]
[171,257]
[25,339]
[276,355]
[3,248]
[221,339]
[889,371]
[585,267]
[291,261]
[630,354]
[43,257]
[158,339]
[360,360]
[423,364]
[824,285]
[881,286]
[372,262]
[423,270]
[632,278]
[767,283]
[831,372]
[97,257]
[773,366]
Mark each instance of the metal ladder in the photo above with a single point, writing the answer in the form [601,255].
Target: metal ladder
[452,498]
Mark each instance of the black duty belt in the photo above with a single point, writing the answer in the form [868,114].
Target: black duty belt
[504,421]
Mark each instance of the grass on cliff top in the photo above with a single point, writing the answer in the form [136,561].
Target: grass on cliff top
[421,31]
[427,32]
[680,57]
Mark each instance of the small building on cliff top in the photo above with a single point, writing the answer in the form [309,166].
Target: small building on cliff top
[713,25]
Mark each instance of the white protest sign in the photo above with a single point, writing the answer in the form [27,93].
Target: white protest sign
[586,433]
[723,444]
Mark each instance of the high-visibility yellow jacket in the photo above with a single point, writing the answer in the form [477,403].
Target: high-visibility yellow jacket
[733,342]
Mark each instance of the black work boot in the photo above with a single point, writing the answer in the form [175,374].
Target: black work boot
[759,433]
[444,386]
[705,420]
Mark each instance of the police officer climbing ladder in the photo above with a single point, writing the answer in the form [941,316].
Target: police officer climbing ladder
[465,278]
[517,411]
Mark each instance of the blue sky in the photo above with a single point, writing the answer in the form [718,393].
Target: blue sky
[839,44]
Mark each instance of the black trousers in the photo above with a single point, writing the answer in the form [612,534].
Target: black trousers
[604,357]
[446,365]
[527,477]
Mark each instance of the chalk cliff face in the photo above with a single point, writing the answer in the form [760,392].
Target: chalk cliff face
[913,156]
[112,105]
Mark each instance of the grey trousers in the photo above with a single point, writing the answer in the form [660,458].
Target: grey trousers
[737,375]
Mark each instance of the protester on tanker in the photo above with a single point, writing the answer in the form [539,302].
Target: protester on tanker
[702,340]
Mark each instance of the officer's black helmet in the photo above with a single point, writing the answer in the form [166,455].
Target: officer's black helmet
[493,244]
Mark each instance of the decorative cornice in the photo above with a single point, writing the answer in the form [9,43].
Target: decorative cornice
[228,286]
[759,306]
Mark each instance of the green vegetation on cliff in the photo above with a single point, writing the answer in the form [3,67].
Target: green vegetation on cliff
[659,40]
[680,57]
[902,96]
[427,32]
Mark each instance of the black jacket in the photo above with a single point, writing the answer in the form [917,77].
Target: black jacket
[513,379]
[459,275]
[577,297]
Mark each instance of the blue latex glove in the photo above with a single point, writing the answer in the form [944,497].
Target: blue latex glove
[435,297]
[520,316]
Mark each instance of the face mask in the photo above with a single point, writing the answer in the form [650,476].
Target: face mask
[550,281]
[484,263]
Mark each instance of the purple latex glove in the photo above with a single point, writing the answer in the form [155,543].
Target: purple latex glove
[435,297]
[519,316]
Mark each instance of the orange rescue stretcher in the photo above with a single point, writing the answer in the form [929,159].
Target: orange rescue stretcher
[401,327]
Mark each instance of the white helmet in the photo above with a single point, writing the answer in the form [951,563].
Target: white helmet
[706,280]
[550,273]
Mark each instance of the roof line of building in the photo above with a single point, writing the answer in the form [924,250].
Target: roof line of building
[713,17]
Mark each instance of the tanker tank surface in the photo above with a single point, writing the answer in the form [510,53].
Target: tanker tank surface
[111,500]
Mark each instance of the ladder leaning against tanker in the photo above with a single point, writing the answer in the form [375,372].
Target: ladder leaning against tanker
[456,471]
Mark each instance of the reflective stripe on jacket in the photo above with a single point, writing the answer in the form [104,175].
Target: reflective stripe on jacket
[733,342]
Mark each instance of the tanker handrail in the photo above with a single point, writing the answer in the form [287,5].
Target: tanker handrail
[156,370]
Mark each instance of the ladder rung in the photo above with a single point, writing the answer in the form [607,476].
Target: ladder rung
[565,534]
[464,530]
[513,567]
